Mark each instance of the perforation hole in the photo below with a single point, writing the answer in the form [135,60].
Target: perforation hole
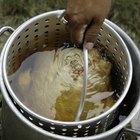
[26,36]
[19,50]
[108,41]
[124,68]
[57,30]
[64,129]
[36,37]
[35,49]
[100,34]
[15,102]
[36,30]
[27,30]
[46,26]
[86,131]
[97,126]
[30,118]
[101,29]
[58,23]
[98,122]
[52,128]
[118,96]
[122,77]
[18,37]
[109,35]
[98,40]
[125,78]
[125,62]
[52,123]
[18,43]
[12,45]
[27,42]
[46,32]
[122,53]
[96,130]
[41,124]
[120,58]
[87,127]
[115,49]
[36,24]
[106,46]
[63,134]
[75,133]
[44,46]
[85,134]
[46,20]
[108,116]
[117,43]
[21,111]
[114,54]
[76,129]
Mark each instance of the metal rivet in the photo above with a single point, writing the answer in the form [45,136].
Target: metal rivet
[79,126]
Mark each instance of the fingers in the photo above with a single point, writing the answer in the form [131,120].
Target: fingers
[77,33]
[84,33]
[77,25]
[84,29]
[91,35]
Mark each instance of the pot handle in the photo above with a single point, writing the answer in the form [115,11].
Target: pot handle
[2,31]
[6,28]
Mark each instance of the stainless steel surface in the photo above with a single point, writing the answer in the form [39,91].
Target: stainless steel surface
[83,95]
[36,122]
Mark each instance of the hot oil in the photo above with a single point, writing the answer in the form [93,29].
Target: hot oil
[50,81]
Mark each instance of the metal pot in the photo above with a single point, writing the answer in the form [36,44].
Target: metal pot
[17,126]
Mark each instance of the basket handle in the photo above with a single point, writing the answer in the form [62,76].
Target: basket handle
[6,28]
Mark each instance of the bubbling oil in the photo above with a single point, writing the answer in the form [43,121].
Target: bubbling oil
[50,83]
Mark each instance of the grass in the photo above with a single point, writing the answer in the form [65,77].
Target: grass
[126,14]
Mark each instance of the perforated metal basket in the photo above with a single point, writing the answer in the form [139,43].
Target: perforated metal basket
[44,30]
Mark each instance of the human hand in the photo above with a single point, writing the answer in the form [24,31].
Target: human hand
[85,18]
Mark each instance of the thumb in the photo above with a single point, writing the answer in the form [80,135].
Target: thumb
[91,35]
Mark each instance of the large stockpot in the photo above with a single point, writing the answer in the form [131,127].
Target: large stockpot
[22,128]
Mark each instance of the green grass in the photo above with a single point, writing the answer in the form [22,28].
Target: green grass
[125,13]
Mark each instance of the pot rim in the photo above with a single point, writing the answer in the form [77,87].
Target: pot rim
[95,137]
[4,74]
